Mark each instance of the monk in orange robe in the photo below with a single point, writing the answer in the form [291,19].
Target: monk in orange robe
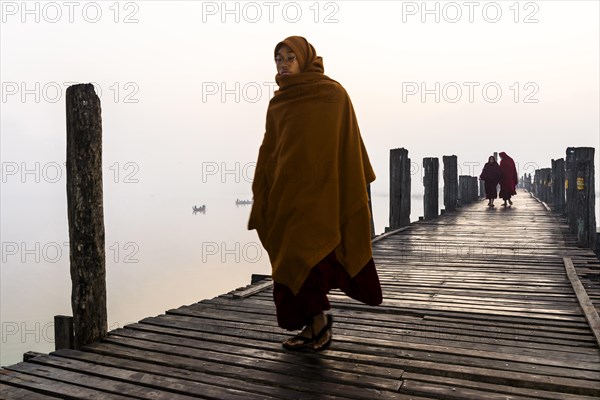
[310,206]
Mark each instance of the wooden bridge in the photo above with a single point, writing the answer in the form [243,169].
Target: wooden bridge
[481,303]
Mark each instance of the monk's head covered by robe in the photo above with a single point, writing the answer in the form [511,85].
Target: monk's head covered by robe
[305,53]
[307,66]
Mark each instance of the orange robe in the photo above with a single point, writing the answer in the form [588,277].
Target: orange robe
[311,177]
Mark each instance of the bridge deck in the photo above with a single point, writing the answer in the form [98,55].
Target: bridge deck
[477,305]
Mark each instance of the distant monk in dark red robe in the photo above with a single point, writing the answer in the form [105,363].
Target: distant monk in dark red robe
[491,174]
[508,183]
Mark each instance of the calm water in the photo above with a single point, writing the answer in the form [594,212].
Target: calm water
[159,256]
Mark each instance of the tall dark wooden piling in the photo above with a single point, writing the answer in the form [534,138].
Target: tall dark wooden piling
[399,188]
[430,182]
[585,198]
[558,185]
[463,188]
[86,214]
[527,182]
[474,181]
[570,188]
[546,185]
[450,182]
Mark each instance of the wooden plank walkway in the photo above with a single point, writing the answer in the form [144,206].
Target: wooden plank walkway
[477,305]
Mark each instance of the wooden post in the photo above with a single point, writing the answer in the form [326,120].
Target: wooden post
[528,182]
[371,210]
[399,188]
[86,214]
[474,188]
[585,197]
[430,182]
[542,184]
[570,188]
[463,186]
[558,185]
[450,183]
[536,183]
[469,189]
[547,185]
[63,332]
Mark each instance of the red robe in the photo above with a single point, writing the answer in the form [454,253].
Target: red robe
[510,179]
[491,174]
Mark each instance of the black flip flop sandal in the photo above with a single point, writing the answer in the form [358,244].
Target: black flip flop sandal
[304,342]
[326,328]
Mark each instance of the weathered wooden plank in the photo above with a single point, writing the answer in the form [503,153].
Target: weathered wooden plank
[17,393]
[487,388]
[516,332]
[268,342]
[455,336]
[503,377]
[402,308]
[280,362]
[453,393]
[252,290]
[590,312]
[109,386]
[184,373]
[54,387]
[148,381]
[252,372]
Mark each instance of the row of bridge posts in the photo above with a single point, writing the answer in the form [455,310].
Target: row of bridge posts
[568,187]
[86,220]
[458,190]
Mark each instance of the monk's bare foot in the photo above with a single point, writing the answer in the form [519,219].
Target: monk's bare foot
[325,335]
[308,336]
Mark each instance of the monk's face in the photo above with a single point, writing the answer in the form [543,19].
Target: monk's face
[491,159]
[286,61]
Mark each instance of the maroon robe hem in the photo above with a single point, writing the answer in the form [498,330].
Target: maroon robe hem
[294,312]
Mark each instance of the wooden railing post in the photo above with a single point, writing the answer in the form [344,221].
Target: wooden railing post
[547,185]
[450,182]
[463,187]
[430,182]
[528,182]
[399,188]
[570,188]
[474,188]
[558,185]
[86,214]
[585,217]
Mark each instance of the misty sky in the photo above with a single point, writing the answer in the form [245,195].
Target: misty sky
[183,83]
